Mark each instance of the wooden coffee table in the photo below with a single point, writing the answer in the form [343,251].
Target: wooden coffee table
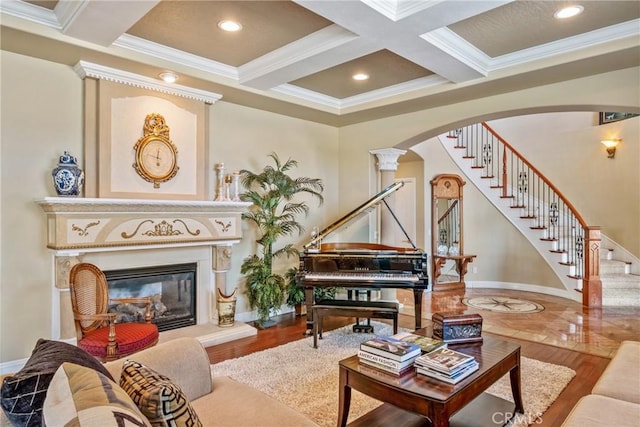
[427,397]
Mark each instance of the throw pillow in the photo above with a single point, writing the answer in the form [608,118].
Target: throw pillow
[22,395]
[82,397]
[159,399]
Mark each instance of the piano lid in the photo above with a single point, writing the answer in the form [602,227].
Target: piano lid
[358,212]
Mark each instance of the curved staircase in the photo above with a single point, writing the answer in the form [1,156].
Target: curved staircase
[542,214]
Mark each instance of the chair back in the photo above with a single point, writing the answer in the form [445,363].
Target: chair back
[89,295]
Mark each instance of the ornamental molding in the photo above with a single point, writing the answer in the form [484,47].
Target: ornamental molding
[87,69]
[79,225]
[388,158]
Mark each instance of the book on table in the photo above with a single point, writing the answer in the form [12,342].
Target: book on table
[445,360]
[399,369]
[385,363]
[391,348]
[427,344]
[454,378]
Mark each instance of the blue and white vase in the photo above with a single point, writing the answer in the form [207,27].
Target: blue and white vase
[68,178]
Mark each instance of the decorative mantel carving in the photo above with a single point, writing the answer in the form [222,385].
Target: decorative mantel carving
[98,224]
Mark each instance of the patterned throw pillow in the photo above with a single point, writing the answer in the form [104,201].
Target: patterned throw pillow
[22,395]
[80,396]
[159,399]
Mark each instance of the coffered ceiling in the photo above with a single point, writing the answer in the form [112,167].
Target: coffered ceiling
[298,57]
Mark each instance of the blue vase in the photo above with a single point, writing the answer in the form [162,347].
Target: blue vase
[68,178]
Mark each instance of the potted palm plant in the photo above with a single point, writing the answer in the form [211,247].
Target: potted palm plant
[274,212]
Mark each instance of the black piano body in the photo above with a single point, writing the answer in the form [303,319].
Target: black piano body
[362,266]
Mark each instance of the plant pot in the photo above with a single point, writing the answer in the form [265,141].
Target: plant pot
[226,308]
[264,324]
[301,309]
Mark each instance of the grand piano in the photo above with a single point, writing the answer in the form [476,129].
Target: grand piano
[362,266]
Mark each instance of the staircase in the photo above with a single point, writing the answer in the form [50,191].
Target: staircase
[536,208]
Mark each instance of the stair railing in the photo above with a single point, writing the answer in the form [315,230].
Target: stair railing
[539,201]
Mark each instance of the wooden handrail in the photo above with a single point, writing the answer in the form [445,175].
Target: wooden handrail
[555,189]
[582,248]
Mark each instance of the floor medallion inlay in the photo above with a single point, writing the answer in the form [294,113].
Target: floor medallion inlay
[503,304]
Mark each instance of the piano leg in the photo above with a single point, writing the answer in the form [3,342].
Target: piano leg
[417,305]
[308,300]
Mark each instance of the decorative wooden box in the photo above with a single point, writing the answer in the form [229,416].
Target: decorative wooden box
[457,328]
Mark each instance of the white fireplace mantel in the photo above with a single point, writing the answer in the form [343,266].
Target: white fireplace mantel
[83,229]
[79,225]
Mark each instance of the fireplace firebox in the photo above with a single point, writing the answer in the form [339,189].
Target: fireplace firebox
[171,287]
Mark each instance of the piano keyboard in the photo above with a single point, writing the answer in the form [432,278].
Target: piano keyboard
[364,276]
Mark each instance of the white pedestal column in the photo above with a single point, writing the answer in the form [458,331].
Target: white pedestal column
[387,165]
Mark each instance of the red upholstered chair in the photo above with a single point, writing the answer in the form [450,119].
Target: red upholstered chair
[96,329]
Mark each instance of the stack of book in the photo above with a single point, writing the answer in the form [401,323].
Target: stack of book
[427,344]
[446,365]
[389,354]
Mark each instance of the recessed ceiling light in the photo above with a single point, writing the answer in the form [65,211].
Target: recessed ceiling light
[168,77]
[568,12]
[230,26]
[360,76]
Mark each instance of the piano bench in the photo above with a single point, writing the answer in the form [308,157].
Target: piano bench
[353,308]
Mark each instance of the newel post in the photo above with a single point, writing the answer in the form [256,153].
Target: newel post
[591,284]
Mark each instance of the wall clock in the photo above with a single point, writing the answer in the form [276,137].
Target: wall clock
[156,156]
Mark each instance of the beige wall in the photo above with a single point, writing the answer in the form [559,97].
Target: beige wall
[242,138]
[42,116]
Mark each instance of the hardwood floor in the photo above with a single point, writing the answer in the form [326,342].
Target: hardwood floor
[562,334]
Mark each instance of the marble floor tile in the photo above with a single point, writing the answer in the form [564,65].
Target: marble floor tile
[562,323]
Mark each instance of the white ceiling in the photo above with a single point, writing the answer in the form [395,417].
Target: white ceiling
[296,57]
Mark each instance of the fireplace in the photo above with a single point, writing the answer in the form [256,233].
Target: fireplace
[173,289]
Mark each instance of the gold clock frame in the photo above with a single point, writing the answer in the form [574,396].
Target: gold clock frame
[155,130]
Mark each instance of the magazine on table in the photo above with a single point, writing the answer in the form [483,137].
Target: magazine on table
[452,379]
[444,359]
[391,348]
[392,364]
[427,344]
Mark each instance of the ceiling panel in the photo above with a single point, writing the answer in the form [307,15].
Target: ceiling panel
[383,67]
[191,26]
[524,24]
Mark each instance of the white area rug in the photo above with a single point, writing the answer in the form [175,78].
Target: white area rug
[306,379]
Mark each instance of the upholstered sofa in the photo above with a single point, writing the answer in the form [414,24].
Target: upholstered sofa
[615,398]
[217,401]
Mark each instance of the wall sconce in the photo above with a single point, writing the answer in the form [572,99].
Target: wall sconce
[610,145]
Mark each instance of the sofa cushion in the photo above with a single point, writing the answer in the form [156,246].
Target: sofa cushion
[598,411]
[23,394]
[168,358]
[80,396]
[233,404]
[621,378]
[159,399]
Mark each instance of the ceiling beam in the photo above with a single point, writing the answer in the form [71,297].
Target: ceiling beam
[98,21]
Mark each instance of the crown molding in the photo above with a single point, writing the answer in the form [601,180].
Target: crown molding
[157,50]
[87,69]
